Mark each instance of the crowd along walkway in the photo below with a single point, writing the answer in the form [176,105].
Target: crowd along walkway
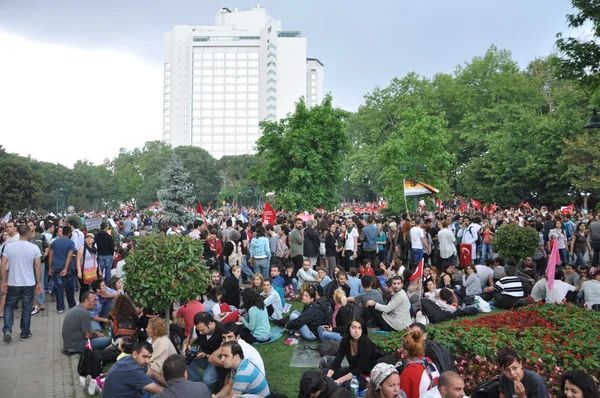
[36,367]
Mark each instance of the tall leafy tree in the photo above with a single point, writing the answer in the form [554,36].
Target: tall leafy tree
[176,194]
[203,172]
[303,156]
[581,155]
[20,184]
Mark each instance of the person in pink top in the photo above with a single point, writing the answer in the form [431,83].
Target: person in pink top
[187,312]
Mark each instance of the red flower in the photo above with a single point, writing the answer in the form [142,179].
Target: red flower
[534,354]
[459,335]
[571,335]
[564,343]
[578,356]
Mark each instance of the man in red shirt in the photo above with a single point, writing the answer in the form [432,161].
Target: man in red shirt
[187,312]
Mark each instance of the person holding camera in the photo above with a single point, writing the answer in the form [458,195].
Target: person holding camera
[207,334]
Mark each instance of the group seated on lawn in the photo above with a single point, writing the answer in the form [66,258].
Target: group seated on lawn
[209,349]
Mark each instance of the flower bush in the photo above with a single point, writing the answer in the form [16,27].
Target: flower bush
[550,339]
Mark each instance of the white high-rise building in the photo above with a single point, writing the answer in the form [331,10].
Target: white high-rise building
[221,80]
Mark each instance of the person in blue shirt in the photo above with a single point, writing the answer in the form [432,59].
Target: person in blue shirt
[246,378]
[276,278]
[105,304]
[131,376]
[62,269]
[354,283]
[260,251]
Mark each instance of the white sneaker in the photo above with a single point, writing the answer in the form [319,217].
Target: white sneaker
[82,381]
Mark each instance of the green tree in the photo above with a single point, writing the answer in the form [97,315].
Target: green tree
[581,155]
[203,172]
[164,270]
[176,194]
[151,161]
[581,56]
[515,243]
[303,156]
[20,184]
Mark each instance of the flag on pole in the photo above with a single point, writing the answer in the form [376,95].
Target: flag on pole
[493,208]
[200,211]
[463,207]
[553,260]
[268,216]
[418,272]
[476,204]
[7,217]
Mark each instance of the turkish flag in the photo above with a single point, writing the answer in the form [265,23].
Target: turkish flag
[476,204]
[418,272]
[268,217]
[485,209]
[493,208]
[465,254]
[199,208]
[526,204]
[463,207]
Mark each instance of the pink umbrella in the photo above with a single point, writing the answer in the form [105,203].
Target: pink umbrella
[552,261]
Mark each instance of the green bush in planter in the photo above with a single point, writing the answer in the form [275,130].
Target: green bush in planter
[165,269]
[514,242]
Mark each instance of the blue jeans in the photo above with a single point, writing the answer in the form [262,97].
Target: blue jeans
[246,270]
[261,266]
[295,285]
[305,331]
[62,284]
[14,294]
[417,255]
[105,266]
[42,296]
[324,335]
[564,256]
[106,309]
[98,343]
[210,372]
[579,259]
[487,249]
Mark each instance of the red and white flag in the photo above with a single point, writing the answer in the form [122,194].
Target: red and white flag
[418,272]
[200,211]
[476,204]
[268,216]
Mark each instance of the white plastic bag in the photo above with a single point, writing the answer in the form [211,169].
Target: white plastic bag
[483,305]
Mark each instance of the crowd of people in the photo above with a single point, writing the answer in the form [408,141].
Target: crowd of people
[350,273]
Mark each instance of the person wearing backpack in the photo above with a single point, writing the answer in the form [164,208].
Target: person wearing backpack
[435,351]
[470,236]
[369,245]
[420,374]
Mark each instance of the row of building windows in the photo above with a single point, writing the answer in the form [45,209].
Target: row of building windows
[225,72]
[207,97]
[206,138]
[227,56]
[224,38]
[228,113]
[239,130]
[224,80]
[227,121]
[219,88]
[228,105]
[224,64]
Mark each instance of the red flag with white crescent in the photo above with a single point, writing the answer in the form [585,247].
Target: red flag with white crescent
[418,272]
[465,254]
[268,216]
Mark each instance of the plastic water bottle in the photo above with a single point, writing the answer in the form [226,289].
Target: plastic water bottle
[354,386]
[110,331]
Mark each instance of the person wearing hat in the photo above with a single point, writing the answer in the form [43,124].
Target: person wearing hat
[590,289]
[384,382]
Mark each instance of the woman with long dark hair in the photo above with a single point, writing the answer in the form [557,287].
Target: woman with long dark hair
[359,350]
[124,318]
[578,384]
[256,327]
[87,271]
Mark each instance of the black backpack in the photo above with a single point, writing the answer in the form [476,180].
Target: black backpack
[440,356]
[487,389]
[328,347]
[354,310]
[90,363]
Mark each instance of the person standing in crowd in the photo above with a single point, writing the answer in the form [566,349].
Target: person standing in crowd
[61,271]
[106,250]
[469,234]
[38,239]
[260,252]
[297,245]
[351,243]
[418,242]
[23,281]
[579,244]
[312,242]
[447,243]
[559,237]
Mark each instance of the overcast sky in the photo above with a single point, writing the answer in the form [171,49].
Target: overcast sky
[80,79]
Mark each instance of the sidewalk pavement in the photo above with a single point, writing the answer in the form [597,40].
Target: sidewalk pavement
[36,367]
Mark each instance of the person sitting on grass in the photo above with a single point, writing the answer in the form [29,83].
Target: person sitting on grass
[123,318]
[306,276]
[420,373]
[131,376]
[515,380]
[395,315]
[105,304]
[339,319]
[161,345]
[245,378]
[578,384]
[313,315]
[175,371]
[257,328]
[315,384]
[359,350]
[384,382]
[272,300]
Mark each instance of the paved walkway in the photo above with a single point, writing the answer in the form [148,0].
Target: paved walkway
[36,368]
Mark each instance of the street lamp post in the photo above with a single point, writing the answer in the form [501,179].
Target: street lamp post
[594,122]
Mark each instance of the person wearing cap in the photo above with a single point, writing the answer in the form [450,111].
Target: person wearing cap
[384,382]
[590,289]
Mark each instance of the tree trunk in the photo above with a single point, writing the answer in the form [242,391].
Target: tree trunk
[168,319]
[585,201]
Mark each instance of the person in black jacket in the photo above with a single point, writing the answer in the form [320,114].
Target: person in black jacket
[340,282]
[231,284]
[331,249]
[311,242]
[313,315]
[314,384]
[106,251]
[359,350]
[338,321]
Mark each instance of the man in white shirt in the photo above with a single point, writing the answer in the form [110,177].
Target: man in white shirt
[558,293]
[22,282]
[351,242]
[272,300]
[469,234]
[450,385]
[231,332]
[485,275]
[418,241]
[306,275]
[447,242]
